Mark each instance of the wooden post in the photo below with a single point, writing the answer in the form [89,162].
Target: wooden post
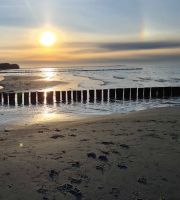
[12,99]
[105,95]
[5,97]
[140,93]
[49,97]
[58,96]
[91,96]
[26,98]
[19,99]
[74,96]
[33,98]
[160,92]
[175,91]
[154,92]
[119,94]
[147,93]
[40,97]
[167,92]
[98,95]
[133,93]
[84,96]
[112,94]
[63,96]
[69,96]
[127,93]
[78,96]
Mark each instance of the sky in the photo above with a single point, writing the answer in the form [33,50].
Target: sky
[90,31]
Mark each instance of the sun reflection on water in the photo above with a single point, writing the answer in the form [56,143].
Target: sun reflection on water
[48,74]
[47,114]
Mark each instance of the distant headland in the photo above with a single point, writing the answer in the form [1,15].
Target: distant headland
[4,66]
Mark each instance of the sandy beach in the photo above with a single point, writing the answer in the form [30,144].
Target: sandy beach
[89,100]
[132,156]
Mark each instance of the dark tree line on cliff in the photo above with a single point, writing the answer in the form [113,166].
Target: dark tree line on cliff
[4,66]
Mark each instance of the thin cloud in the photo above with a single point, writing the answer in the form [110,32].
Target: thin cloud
[125,46]
[140,45]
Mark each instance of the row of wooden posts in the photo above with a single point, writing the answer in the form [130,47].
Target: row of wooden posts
[99,95]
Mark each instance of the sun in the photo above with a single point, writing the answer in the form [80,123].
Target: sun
[47,39]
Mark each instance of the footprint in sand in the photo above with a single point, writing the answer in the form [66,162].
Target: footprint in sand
[56,136]
[103,158]
[91,155]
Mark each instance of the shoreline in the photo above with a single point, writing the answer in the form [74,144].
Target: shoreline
[129,156]
[80,120]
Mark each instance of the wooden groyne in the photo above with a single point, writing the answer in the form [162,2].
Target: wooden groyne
[91,96]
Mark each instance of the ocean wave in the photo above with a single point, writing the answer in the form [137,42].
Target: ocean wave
[118,77]
[145,78]
[175,80]
[161,80]
[26,71]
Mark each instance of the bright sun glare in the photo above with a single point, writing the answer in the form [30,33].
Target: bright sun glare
[47,39]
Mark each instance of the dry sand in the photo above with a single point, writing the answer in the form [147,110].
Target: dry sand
[134,156]
[18,83]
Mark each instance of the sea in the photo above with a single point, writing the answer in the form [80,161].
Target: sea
[86,78]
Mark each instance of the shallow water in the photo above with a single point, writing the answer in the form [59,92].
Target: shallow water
[91,78]
[105,77]
[34,114]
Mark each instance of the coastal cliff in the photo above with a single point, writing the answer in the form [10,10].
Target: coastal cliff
[4,66]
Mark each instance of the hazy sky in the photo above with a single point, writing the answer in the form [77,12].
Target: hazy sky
[90,31]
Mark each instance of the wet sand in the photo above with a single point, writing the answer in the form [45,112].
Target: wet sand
[132,156]
[17,83]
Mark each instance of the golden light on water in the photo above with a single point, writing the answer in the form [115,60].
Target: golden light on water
[47,39]
[48,74]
